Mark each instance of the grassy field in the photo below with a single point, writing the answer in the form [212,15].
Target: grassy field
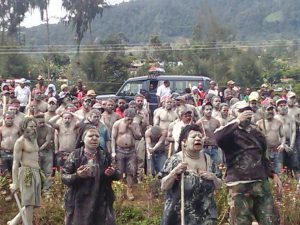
[147,207]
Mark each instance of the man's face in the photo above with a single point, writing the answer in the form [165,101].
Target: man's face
[16,105]
[91,139]
[200,86]
[128,120]
[9,120]
[167,84]
[67,118]
[121,103]
[207,111]
[216,102]
[40,122]
[31,128]
[270,113]
[253,105]
[87,103]
[51,106]
[186,118]
[194,141]
[95,118]
[22,85]
[110,107]
[282,108]
[224,111]
[12,109]
[291,101]
[168,104]
[139,102]
[38,96]
[248,91]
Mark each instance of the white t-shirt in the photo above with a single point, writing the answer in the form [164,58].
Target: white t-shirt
[163,91]
[22,94]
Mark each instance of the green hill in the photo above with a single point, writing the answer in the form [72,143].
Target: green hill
[173,19]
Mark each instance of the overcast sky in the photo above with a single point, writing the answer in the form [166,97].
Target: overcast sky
[55,12]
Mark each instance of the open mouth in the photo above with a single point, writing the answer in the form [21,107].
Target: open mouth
[197,143]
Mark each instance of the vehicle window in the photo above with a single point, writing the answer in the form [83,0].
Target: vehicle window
[131,88]
[179,85]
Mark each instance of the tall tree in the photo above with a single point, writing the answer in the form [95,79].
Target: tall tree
[81,13]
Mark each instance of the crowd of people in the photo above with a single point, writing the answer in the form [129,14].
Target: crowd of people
[92,141]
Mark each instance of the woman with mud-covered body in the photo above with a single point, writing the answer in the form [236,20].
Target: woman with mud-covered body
[199,182]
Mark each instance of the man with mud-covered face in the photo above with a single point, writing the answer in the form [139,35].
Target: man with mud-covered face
[248,170]
[9,133]
[109,117]
[86,107]
[27,177]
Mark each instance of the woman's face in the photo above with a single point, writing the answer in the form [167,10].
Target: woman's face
[92,139]
[194,141]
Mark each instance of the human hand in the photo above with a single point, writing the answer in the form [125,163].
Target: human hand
[109,171]
[277,182]
[208,175]
[280,148]
[83,171]
[180,168]
[113,155]
[245,115]
[13,188]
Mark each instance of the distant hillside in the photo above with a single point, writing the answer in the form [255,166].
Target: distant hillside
[173,19]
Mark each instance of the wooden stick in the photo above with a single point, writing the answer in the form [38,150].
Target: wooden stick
[182,189]
[170,150]
[3,104]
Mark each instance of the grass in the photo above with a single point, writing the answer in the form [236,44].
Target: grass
[147,208]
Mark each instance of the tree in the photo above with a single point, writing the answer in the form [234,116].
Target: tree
[81,13]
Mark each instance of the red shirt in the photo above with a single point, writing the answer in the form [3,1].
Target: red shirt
[119,112]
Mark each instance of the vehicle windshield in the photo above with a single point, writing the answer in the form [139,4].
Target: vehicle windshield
[179,86]
[131,88]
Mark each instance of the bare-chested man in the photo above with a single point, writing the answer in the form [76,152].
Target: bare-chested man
[65,99]
[208,125]
[156,149]
[67,134]
[224,117]
[181,106]
[86,108]
[27,177]
[19,116]
[216,101]
[109,117]
[289,129]
[52,105]
[142,119]
[294,111]
[165,116]
[45,139]
[273,130]
[9,133]
[38,104]
[125,132]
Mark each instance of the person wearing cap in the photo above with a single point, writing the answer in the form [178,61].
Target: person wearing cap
[40,85]
[64,90]
[290,156]
[92,95]
[163,90]
[50,91]
[213,89]
[86,107]
[229,92]
[23,94]
[255,106]
[247,170]
[208,124]
[180,104]
[273,130]
[51,107]
[185,118]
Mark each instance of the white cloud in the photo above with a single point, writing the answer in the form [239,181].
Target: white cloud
[55,13]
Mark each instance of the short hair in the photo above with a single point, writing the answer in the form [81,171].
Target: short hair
[70,105]
[130,113]
[223,105]
[121,98]
[185,132]
[14,100]
[87,130]
[214,97]
[132,102]
[139,96]
[8,113]
[111,100]
[94,111]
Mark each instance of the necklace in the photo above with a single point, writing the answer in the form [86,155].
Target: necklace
[90,155]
